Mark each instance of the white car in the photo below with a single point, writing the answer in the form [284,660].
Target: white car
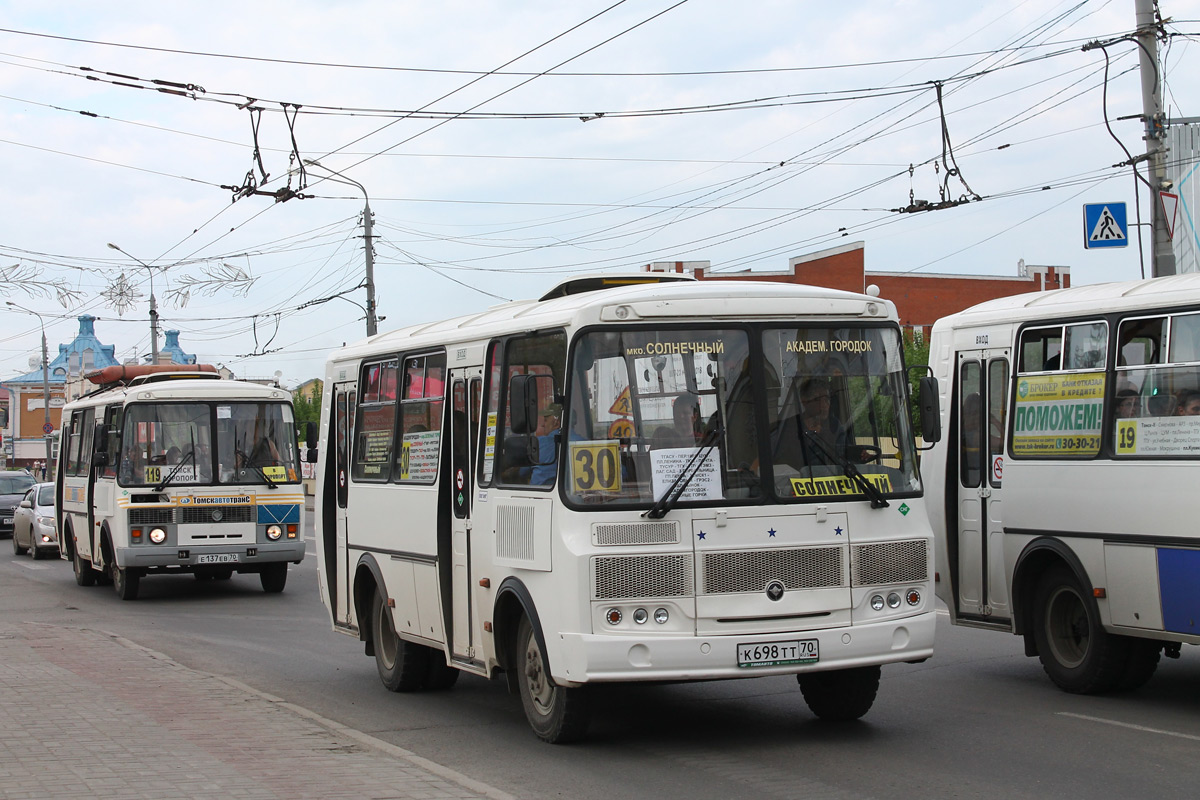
[33,522]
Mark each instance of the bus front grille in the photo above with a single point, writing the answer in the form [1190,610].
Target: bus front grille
[889,562]
[210,514]
[151,516]
[631,533]
[729,572]
[625,577]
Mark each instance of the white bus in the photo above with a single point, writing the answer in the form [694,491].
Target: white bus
[616,482]
[1062,491]
[165,472]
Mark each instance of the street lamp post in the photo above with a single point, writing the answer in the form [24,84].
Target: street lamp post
[47,427]
[372,320]
[153,305]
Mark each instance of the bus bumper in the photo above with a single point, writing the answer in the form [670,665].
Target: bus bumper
[174,556]
[588,658]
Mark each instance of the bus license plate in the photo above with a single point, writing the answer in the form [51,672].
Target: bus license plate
[774,654]
[217,558]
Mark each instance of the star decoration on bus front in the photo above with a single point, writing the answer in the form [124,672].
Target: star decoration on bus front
[700,535]
[837,531]
[771,533]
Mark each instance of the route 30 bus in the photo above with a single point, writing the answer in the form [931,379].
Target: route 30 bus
[1063,493]
[615,483]
[167,472]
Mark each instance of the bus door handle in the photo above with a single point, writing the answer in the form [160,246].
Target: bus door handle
[985,491]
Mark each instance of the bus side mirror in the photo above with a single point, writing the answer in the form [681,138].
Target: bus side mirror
[100,447]
[522,399]
[930,410]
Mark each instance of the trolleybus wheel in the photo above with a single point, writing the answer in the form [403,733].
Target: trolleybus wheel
[402,665]
[556,713]
[273,577]
[84,574]
[1073,646]
[126,581]
[17,549]
[842,694]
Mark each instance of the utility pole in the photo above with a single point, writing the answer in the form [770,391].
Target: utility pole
[1162,253]
[153,305]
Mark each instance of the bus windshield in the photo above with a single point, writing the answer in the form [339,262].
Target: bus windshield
[174,443]
[737,415]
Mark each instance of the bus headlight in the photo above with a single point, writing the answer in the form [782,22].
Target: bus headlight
[661,616]
[877,602]
[158,535]
[274,532]
[640,616]
[893,600]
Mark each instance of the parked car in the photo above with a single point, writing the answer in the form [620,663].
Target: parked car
[33,522]
[13,486]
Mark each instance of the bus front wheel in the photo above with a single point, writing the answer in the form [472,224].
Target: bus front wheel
[556,713]
[840,695]
[273,577]
[126,582]
[1076,652]
[402,665]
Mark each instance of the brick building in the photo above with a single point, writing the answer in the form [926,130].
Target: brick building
[921,299]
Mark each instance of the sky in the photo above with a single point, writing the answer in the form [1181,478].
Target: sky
[506,145]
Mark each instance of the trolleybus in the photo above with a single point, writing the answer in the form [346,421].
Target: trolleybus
[168,472]
[636,478]
[1062,493]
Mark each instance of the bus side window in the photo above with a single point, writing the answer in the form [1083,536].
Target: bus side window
[970,420]
[530,458]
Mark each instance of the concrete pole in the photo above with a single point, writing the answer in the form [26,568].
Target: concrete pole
[372,322]
[46,430]
[1162,253]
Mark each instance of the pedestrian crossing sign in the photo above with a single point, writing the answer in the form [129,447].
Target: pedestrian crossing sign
[1104,225]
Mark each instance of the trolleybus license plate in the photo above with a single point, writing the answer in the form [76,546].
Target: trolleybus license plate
[217,558]
[773,654]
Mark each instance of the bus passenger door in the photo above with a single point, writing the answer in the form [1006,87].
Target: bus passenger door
[334,549]
[465,392]
[981,398]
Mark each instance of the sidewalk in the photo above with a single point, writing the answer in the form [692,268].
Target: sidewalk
[88,714]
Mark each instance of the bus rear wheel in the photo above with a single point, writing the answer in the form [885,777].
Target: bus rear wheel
[1075,650]
[556,713]
[273,577]
[84,574]
[840,695]
[403,666]
[126,581]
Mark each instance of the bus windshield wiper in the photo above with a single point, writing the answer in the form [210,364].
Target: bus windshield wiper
[678,486]
[262,472]
[869,489]
[191,454]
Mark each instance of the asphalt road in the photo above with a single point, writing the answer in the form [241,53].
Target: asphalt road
[978,719]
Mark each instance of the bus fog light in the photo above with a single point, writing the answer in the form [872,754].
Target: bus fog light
[661,616]
[640,616]
[613,616]
[893,600]
[877,602]
[158,535]
[913,597]
[274,532]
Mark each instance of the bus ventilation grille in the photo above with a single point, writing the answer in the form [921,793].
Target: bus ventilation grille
[209,514]
[151,516]
[889,562]
[751,570]
[627,577]
[630,533]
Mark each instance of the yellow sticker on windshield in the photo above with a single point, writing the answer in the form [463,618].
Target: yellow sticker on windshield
[595,466]
[835,485]
[275,473]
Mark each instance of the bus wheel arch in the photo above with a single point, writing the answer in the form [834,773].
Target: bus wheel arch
[1038,557]
[513,601]
[367,580]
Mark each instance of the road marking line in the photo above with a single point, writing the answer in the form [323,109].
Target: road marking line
[1129,725]
[31,565]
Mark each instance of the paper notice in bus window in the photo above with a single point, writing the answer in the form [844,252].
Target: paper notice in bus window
[489,446]
[275,473]
[1158,436]
[224,412]
[666,465]
[1058,414]
[186,474]
[419,456]
[596,466]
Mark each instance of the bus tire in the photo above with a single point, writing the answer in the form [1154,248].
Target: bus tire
[440,676]
[402,665]
[1075,650]
[840,695]
[84,574]
[273,577]
[126,581]
[556,713]
[1140,664]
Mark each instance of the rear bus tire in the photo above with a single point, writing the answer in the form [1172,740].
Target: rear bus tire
[273,577]
[556,713]
[403,666]
[840,695]
[84,574]
[440,676]
[1075,650]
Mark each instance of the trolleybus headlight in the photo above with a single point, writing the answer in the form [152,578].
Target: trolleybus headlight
[913,597]
[661,616]
[274,532]
[613,615]
[158,535]
[640,616]
[893,600]
[877,602]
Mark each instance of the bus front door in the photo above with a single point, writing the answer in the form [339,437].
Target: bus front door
[982,590]
[334,553]
[465,393]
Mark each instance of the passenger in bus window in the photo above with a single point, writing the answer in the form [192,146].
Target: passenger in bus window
[1188,403]
[1127,404]
[173,454]
[546,468]
[132,467]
